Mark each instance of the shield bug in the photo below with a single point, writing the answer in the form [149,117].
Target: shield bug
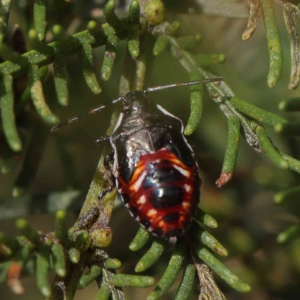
[154,167]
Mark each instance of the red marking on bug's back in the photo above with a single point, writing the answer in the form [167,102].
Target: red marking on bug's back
[167,174]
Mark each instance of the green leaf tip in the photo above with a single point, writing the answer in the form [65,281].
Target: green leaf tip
[31,234]
[160,44]
[196,99]
[173,28]
[5,9]
[112,263]
[46,291]
[90,276]
[294,164]
[86,55]
[134,45]
[211,242]
[38,98]
[186,284]
[288,234]
[82,237]
[37,44]
[18,191]
[42,269]
[91,25]
[110,16]
[134,12]
[59,260]
[274,43]
[170,273]
[109,57]
[124,280]
[7,114]
[205,219]
[222,271]
[291,104]
[60,80]
[60,227]
[287,129]
[104,292]
[39,15]
[231,151]
[32,34]
[140,240]
[205,60]
[189,42]
[57,30]
[291,194]
[74,255]
[153,254]
[60,214]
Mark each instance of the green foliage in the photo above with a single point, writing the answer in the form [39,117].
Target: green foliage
[83,246]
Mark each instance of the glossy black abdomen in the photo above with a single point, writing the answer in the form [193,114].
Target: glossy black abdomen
[163,185]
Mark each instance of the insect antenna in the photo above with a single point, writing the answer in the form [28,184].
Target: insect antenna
[90,112]
[164,87]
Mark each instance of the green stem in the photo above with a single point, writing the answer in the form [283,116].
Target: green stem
[65,288]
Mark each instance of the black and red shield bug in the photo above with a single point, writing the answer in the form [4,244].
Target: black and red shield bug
[154,166]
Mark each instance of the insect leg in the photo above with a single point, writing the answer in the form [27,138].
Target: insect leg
[102,139]
[90,112]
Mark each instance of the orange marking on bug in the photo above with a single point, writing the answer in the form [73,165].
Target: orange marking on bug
[185,204]
[161,224]
[136,191]
[152,212]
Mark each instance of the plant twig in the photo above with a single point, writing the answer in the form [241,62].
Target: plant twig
[274,43]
